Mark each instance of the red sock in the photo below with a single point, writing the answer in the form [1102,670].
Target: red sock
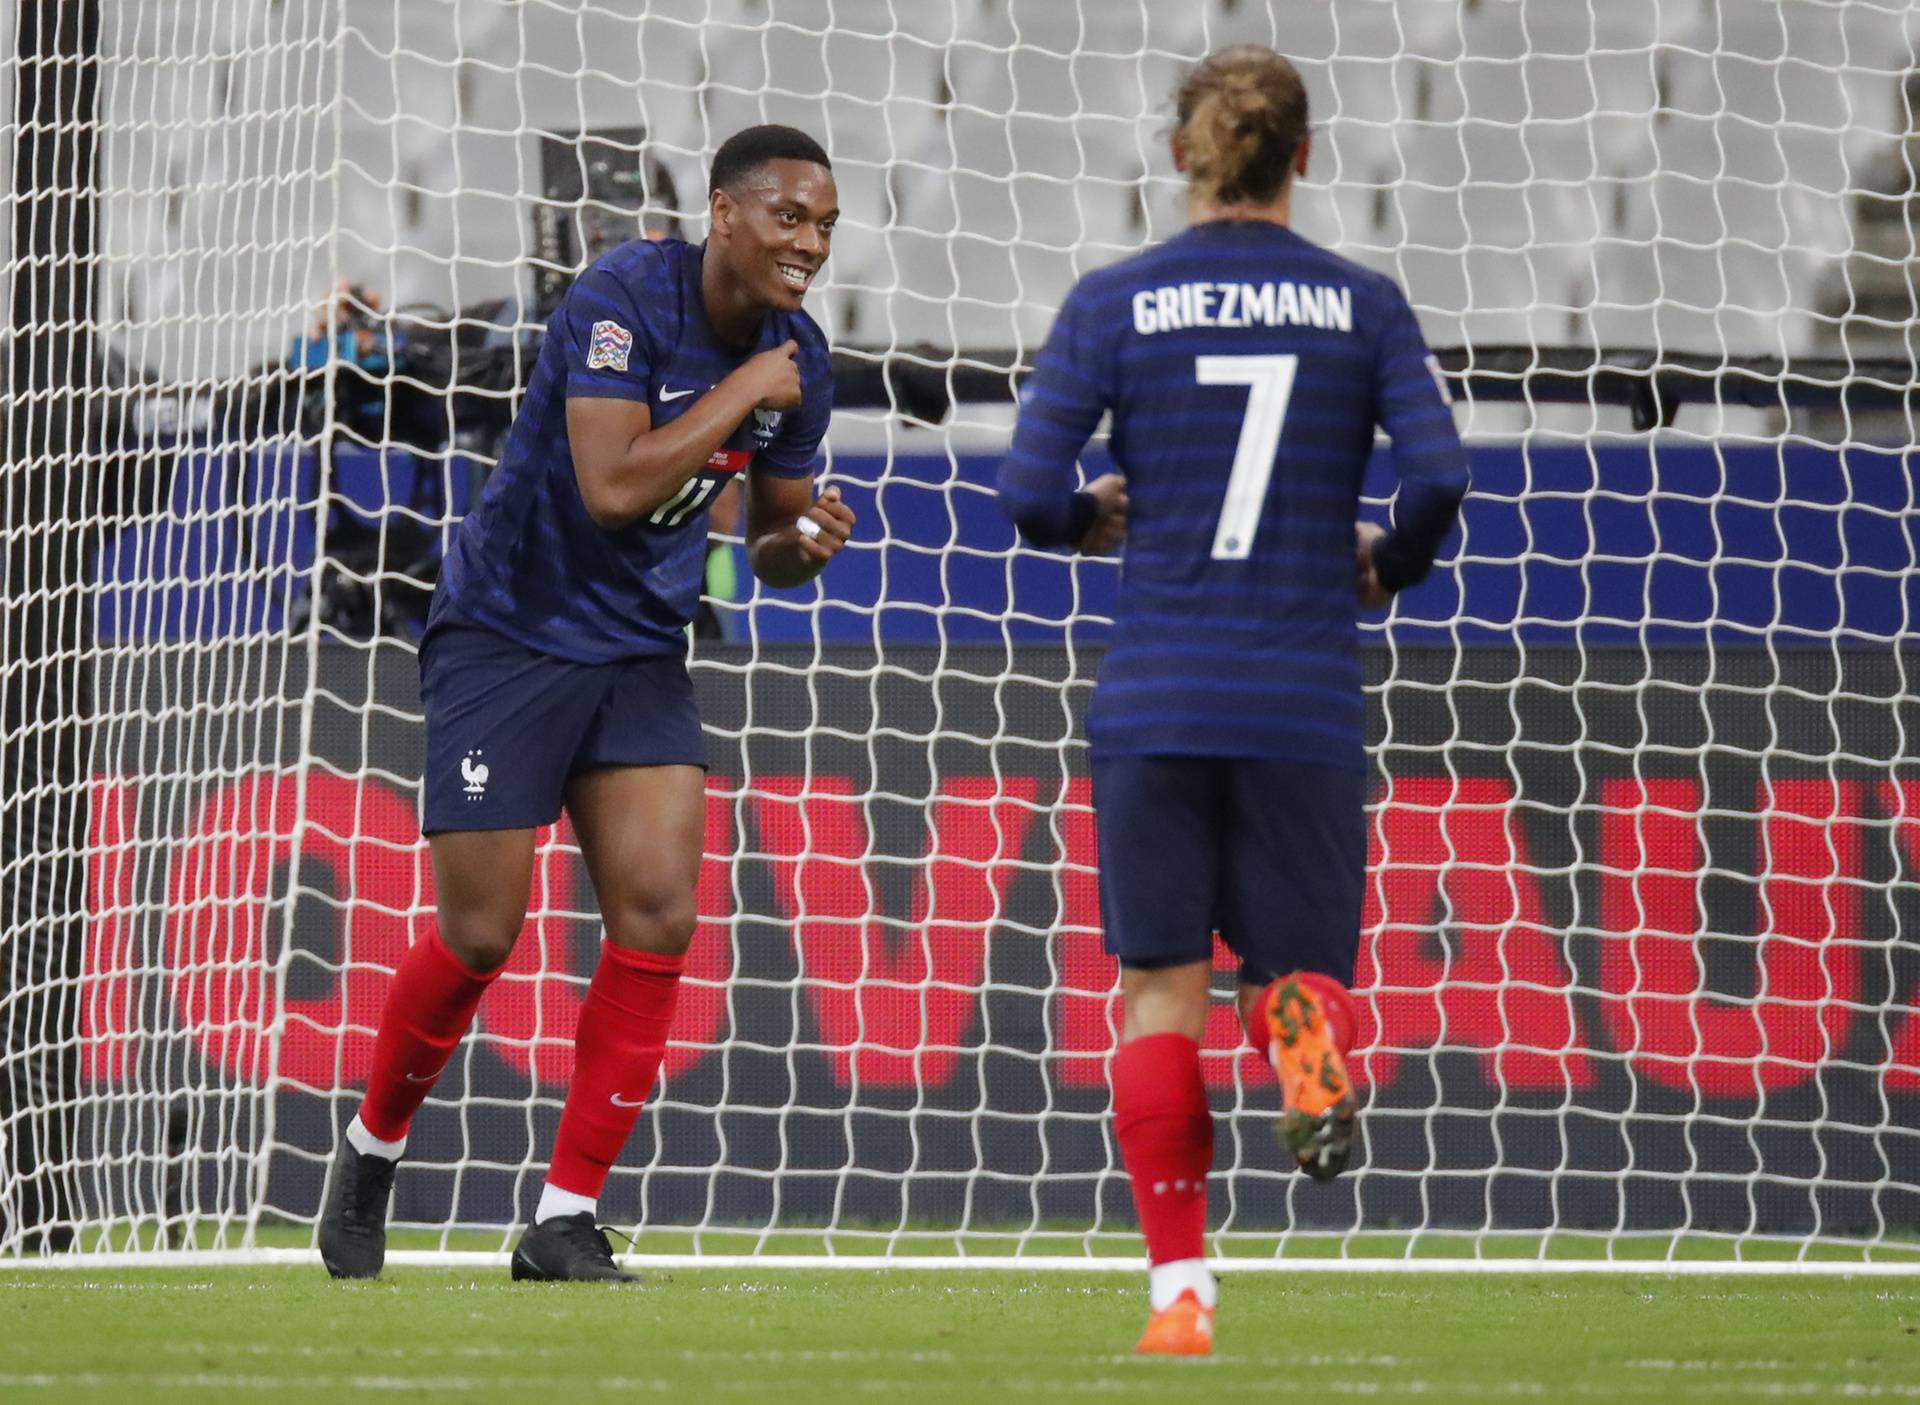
[429,1007]
[1334,998]
[1165,1131]
[616,1053]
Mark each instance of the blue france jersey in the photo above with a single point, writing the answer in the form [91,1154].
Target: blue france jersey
[1246,369]
[529,562]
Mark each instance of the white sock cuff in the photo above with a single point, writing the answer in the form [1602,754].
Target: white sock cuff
[367,1144]
[1166,1282]
[555,1202]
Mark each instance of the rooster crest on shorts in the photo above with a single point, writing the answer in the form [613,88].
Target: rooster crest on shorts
[474,772]
[608,347]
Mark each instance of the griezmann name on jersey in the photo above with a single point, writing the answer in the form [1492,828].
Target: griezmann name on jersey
[1246,369]
[529,562]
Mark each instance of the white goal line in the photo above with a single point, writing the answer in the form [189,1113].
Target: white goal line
[1036,1263]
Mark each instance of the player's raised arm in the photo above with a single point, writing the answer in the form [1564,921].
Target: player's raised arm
[1427,457]
[627,468]
[1059,409]
[790,534]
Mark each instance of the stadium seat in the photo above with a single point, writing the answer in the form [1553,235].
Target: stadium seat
[1476,102]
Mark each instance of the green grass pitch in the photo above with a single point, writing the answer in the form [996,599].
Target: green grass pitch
[792,1336]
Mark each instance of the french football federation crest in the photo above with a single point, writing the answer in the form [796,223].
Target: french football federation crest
[766,423]
[608,346]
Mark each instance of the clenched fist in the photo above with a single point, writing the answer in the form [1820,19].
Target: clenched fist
[1109,527]
[776,377]
[1373,595]
[825,527]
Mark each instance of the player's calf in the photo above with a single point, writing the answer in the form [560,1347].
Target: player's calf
[1165,1132]
[1309,1028]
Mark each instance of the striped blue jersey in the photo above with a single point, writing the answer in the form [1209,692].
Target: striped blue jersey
[529,562]
[1246,370]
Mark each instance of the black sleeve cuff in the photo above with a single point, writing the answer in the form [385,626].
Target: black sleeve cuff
[1045,524]
[1080,516]
[1398,563]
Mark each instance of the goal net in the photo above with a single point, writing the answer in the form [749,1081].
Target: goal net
[1638,966]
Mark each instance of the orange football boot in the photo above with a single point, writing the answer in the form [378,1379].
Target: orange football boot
[1185,1329]
[1318,1116]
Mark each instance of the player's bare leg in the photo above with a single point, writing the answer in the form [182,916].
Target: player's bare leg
[1305,1024]
[482,880]
[641,831]
[1165,1131]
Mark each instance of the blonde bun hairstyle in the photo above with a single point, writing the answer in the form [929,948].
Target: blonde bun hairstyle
[1240,117]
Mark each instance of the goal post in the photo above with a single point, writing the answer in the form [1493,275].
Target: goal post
[1638,973]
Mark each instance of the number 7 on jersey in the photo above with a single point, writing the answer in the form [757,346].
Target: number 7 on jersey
[1269,382]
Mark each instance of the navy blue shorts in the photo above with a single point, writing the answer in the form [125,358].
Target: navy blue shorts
[1272,854]
[508,727]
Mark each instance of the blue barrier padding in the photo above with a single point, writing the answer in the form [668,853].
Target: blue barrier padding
[1559,543]
[218,562]
[1746,543]
[235,543]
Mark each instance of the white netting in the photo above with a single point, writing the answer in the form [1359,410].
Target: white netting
[1640,938]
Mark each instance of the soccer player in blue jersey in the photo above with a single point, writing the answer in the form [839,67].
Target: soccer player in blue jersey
[553,671]
[1245,370]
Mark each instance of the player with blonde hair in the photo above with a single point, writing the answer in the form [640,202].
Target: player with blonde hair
[1245,369]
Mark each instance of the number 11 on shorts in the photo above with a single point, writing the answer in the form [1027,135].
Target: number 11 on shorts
[1269,382]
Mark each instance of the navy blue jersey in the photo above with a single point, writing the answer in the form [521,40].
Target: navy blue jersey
[1246,370]
[530,562]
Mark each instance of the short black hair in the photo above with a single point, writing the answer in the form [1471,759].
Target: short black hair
[751,148]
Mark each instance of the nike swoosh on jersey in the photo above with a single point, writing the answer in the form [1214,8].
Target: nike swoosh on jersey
[619,1101]
[666,395]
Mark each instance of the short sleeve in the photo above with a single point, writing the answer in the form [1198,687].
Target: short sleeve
[608,346]
[794,451]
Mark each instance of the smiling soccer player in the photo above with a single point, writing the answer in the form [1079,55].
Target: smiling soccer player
[553,670]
